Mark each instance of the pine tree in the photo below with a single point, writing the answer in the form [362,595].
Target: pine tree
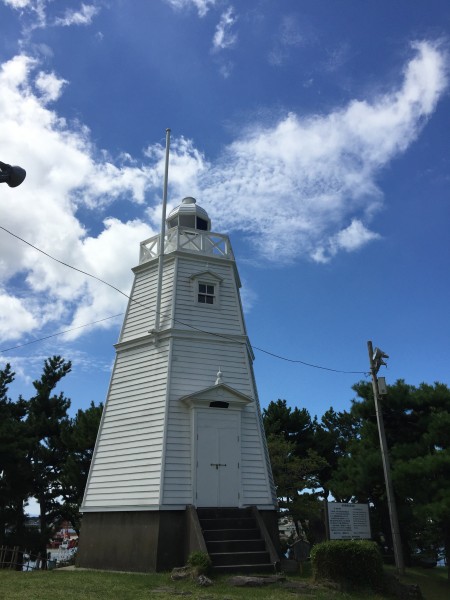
[417,425]
[46,419]
[15,476]
[79,439]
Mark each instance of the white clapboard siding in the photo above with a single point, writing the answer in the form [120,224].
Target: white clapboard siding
[140,316]
[194,367]
[225,318]
[126,466]
[145,449]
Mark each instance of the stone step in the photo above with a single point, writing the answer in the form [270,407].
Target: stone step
[228,523]
[236,545]
[239,558]
[231,534]
[217,513]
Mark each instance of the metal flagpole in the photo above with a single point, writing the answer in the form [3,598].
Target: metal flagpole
[162,236]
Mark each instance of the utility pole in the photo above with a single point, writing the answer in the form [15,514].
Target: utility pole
[376,360]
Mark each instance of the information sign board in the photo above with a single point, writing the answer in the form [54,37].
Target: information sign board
[348,521]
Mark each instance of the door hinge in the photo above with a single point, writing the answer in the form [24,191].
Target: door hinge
[238,466]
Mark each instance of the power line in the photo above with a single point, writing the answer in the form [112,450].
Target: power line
[61,262]
[152,310]
[302,362]
[41,339]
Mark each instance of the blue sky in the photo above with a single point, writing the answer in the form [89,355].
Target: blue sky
[315,133]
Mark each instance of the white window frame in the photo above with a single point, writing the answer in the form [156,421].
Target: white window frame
[207,278]
[207,292]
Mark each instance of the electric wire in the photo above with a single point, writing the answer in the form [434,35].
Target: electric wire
[51,335]
[214,334]
[61,262]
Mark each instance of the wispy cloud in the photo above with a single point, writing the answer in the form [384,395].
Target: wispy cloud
[289,36]
[36,15]
[202,6]
[224,37]
[64,171]
[50,86]
[307,185]
[17,4]
[304,187]
[83,16]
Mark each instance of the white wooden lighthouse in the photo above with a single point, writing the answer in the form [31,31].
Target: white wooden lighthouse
[182,426]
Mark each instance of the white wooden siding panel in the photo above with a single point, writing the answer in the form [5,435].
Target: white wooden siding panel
[129,453]
[225,318]
[255,485]
[194,366]
[127,463]
[140,316]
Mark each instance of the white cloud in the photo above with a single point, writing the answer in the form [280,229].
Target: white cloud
[36,11]
[248,297]
[50,86]
[202,6]
[289,36]
[224,37]
[351,238]
[83,16]
[17,4]
[305,186]
[226,69]
[294,186]
[64,171]
[15,318]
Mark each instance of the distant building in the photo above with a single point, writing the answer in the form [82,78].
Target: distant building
[182,424]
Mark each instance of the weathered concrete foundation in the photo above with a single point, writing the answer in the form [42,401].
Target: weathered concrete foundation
[141,541]
[147,541]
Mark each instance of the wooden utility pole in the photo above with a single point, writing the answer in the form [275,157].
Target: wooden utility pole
[376,360]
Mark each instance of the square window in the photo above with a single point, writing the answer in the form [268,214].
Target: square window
[206,293]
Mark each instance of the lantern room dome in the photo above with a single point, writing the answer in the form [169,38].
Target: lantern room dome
[189,214]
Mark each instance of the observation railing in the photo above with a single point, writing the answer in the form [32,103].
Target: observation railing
[190,240]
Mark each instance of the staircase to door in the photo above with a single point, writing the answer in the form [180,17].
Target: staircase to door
[234,540]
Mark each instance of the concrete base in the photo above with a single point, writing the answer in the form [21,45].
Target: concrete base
[146,541]
[143,541]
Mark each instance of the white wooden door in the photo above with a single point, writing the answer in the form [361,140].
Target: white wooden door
[218,455]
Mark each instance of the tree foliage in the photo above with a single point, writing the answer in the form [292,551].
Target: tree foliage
[44,454]
[417,425]
[339,455]
[79,440]
[302,451]
[46,419]
[14,466]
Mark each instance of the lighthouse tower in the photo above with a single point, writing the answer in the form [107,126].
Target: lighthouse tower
[181,431]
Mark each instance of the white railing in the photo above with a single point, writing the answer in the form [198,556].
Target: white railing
[190,240]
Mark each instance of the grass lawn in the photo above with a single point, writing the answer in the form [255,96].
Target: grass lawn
[95,585]
[433,582]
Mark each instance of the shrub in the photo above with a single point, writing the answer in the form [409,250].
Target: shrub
[200,562]
[352,563]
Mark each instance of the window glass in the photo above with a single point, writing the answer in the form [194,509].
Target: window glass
[187,221]
[206,293]
[202,224]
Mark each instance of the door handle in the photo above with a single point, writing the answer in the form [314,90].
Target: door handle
[217,465]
